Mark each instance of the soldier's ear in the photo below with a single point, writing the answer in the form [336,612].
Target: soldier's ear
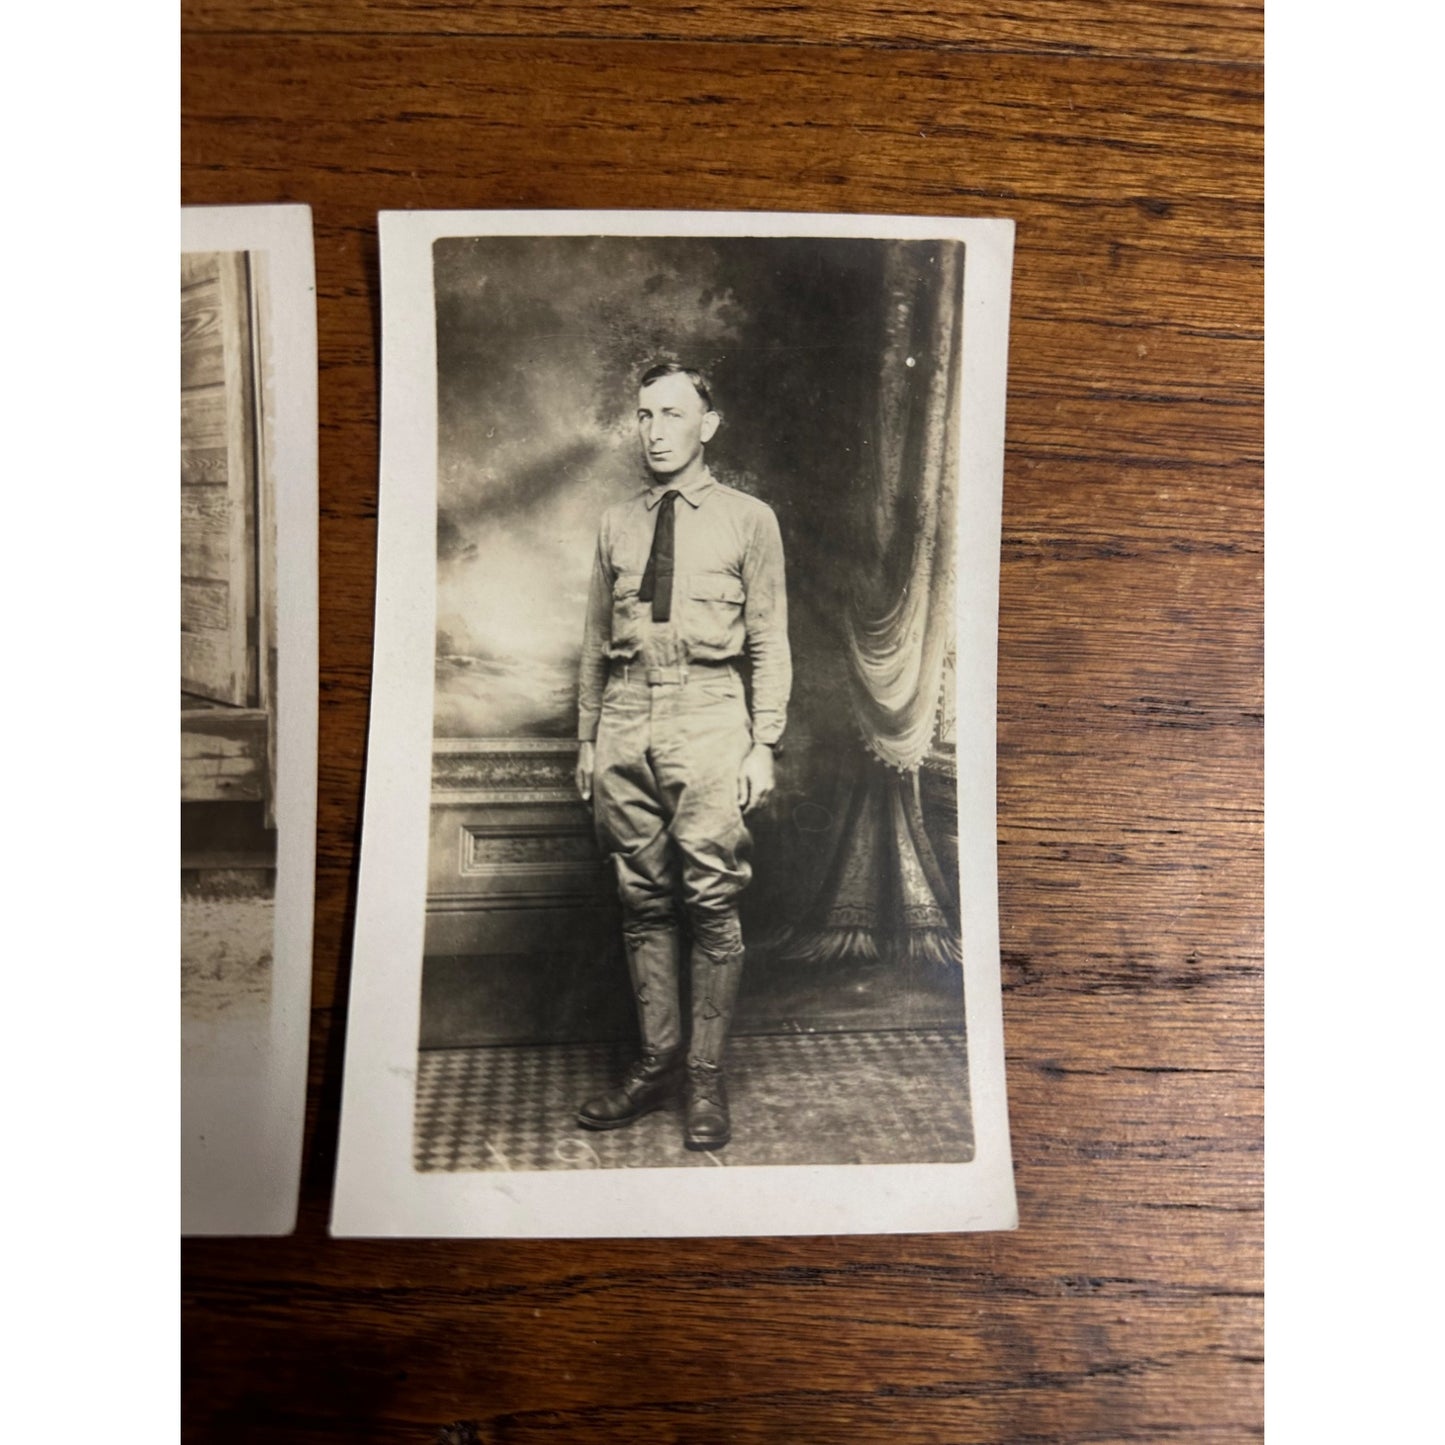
[710,423]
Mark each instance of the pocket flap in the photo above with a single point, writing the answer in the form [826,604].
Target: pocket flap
[715,587]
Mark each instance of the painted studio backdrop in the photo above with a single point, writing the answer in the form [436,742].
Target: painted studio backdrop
[834,364]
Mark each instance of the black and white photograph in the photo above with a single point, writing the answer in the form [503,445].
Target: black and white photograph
[247,654]
[678,907]
[228,656]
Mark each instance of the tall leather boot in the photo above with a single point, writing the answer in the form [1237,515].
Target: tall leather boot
[653,960]
[715,981]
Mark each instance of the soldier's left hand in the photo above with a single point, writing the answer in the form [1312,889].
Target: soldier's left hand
[755,779]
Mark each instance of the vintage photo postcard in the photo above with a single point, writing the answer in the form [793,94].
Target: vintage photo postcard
[678,898]
[248,710]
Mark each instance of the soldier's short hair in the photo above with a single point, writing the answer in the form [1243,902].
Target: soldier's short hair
[674,368]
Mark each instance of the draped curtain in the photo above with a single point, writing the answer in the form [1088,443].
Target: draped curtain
[878,890]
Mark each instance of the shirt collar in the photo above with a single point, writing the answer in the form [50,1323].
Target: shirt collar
[692,493]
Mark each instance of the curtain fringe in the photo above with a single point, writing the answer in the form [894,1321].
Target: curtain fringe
[937,947]
[835,945]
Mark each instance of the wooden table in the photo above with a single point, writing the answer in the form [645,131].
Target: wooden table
[1126,139]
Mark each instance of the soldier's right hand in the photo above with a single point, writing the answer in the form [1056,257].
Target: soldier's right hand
[586,754]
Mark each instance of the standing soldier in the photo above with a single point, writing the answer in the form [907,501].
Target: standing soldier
[688,581]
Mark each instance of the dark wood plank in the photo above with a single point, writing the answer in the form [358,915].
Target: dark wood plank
[1127,143]
[1227,31]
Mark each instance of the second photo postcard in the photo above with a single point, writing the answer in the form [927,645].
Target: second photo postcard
[678,898]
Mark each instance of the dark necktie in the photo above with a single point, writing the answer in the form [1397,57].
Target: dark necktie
[657,579]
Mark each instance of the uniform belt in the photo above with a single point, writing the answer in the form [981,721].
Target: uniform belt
[674,675]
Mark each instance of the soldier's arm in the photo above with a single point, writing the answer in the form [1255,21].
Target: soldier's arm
[766,621]
[592,666]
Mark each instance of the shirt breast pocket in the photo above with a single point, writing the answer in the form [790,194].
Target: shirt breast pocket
[714,614]
[626,615]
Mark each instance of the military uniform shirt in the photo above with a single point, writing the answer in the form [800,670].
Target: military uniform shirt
[729,598]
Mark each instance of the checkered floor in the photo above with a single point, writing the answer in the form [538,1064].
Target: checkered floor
[839,1098]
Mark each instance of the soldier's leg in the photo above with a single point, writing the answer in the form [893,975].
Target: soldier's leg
[698,767]
[632,831]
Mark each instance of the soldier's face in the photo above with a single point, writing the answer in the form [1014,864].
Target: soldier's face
[673,424]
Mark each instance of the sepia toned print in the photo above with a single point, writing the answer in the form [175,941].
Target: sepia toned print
[704,927]
[618,945]
[248,710]
[228,655]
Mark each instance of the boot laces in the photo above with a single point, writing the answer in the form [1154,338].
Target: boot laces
[706,1082]
[646,1070]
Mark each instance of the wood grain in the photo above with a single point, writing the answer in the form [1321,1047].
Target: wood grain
[1126,140]
[223,753]
[1207,31]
